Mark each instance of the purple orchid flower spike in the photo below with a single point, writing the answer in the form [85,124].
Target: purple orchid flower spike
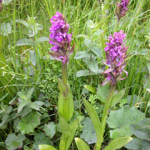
[121,8]
[1,7]
[59,38]
[115,56]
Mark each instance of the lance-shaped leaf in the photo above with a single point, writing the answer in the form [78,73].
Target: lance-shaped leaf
[95,120]
[64,126]
[117,98]
[90,88]
[65,129]
[73,127]
[46,147]
[118,143]
[63,87]
[81,144]
[65,104]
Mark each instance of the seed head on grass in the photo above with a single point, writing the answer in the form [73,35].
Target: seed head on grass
[60,39]
[122,8]
[115,58]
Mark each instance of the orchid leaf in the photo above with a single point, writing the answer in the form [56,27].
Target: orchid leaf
[73,127]
[102,92]
[95,120]
[46,147]
[90,88]
[118,143]
[81,144]
[65,103]
[64,126]
[116,98]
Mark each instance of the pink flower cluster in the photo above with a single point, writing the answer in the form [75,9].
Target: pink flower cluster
[59,38]
[121,8]
[115,56]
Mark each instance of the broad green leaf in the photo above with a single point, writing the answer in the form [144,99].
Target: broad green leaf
[88,131]
[95,120]
[40,138]
[26,110]
[116,98]
[5,29]
[14,142]
[102,92]
[97,51]
[32,57]
[42,39]
[138,144]
[90,88]
[50,129]
[83,73]
[133,99]
[22,22]
[46,147]
[36,105]
[82,54]
[142,130]
[29,122]
[90,24]
[24,41]
[88,42]
[93,65]
[29,94]
[22,105]
[118,143]
[81,144]
[96,34]
[120,121]
[5,120]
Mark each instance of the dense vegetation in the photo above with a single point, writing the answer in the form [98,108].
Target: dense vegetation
[29,75]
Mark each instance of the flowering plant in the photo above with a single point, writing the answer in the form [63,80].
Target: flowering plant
[122,8]
[60,39]
[115,58]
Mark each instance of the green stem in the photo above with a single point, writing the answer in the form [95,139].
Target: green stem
[64,73]
[106,108]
